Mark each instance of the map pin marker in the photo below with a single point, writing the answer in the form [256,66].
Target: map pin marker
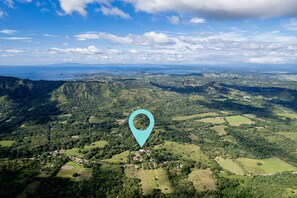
[141,136]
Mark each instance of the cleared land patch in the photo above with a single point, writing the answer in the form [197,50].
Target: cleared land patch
[202,179]
[238,120]
[230,139]
[121,158]
[6,143]
[70,168]
[201,115]
[255,166]
[216,120]
[220,129]
[265,166]
[78,152]
[288,115]
[184,150]
[94,120]
[230,165]
[150,179]
[290,135]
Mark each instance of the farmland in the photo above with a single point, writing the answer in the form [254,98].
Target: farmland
[238,120]
[151,179]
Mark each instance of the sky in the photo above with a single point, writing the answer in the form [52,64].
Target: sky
[215,32]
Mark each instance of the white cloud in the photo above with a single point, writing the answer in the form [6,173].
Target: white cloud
[10,3]
[149,38]
[175,20]
[10,32]
[79,6]
[197,20]
[113,11]
[156,38]
[102,35]
[220,8]
[2,14]
[13,51]
[90,50]
[15,38]
[267,60]
[292,25]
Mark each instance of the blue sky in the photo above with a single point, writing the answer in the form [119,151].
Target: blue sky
[36,32]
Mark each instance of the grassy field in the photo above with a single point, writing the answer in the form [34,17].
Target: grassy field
[220,129]
[94,120]
[250,115]
[121,158]
[238,120]
[78,152]
[97,144]
[290,135]
[288,115]
[184,150]
[268,166]
[202,115]
[202,179]
[70,168]
[6,143]
[231,139]
[255,166]
[150,179]
[215,120]
[230,165]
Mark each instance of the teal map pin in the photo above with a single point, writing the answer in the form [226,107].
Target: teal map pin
[141,136]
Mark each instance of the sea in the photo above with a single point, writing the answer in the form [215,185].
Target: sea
[78,71]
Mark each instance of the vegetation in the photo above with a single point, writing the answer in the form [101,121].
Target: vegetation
[215,135]
[238,120]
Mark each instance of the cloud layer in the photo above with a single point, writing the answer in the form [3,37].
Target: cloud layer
[220,8]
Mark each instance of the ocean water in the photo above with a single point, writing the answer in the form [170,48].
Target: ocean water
[75,72]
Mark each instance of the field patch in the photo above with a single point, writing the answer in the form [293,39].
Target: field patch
[201,115]
[238,120]
[220,129]
[215,120]
[70,168]
[6,143]
[150,179]
[94,120]
[79,152]
[230,139]
[184,150]
[288,115]
[230,165]
[202,179]
[290,135]
[255,166]
[265,166]
[121,158]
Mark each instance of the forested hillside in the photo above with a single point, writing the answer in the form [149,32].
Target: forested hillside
[215,135]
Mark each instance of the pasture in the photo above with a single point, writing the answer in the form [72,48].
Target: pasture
[220,129]
[184,150]
[265,166]
[71,168]
[150,179]
[238,120]
[6,143]
[202,179]
[201,115]
[121,158]
[215,120]
[290,135]
[79,152]
[230,165]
